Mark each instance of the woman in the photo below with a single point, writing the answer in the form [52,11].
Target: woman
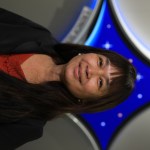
[41,79]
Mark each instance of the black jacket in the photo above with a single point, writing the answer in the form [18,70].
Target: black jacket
[20,35]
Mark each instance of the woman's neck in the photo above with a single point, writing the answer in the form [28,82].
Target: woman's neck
[41,68]
[54,72]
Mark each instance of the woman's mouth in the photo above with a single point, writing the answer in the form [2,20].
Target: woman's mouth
[77,73]
[81,71]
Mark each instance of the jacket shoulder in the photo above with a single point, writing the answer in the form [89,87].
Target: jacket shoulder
[20,35]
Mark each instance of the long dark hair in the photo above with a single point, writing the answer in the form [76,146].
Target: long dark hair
[19,99]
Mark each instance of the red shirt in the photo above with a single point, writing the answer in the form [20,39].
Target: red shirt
[11,64]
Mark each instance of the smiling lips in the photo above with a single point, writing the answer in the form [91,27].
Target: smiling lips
[78,72]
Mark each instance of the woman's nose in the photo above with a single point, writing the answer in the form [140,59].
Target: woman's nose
[93,71]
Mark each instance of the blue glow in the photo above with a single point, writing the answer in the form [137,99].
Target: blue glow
[92,6]
[97,27]
[105,124]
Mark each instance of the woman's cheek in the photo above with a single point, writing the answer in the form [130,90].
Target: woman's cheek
[91,86]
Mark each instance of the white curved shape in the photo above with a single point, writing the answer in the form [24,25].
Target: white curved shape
[133,17]
[85,131]
[135,135]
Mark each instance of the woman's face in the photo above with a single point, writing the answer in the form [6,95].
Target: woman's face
[88,75]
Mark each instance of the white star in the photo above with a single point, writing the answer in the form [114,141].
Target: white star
[139,77]
[140,96]
[103,124]
[108,26]
[120,115]
[130,60]
[107,45]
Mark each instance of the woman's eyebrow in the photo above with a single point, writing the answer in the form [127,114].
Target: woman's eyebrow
[107,61]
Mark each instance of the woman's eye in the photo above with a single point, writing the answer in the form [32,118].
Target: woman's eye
[100,62]
[100,83]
